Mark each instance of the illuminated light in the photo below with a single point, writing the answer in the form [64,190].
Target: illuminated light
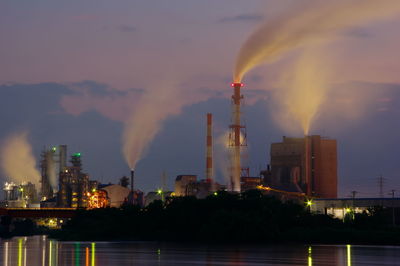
[215,193]
[93,253]
[159,191]
[78,154]
[93,190]
[348,255]
[309,202]
[309,256]
[348,210]
[54,148]
[234,84]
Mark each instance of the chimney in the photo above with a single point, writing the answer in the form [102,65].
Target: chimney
[132,185]
[209,160]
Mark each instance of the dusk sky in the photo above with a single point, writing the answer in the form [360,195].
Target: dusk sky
[71,72]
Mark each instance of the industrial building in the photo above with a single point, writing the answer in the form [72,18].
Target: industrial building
[304,165]
[249,183]
[74,185]
[340,207]
[157,195]
[20,196]
[188,185]
[53,163]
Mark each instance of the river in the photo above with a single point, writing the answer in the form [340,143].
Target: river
[39,250]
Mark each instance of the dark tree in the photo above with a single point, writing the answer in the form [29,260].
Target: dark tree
[124,181]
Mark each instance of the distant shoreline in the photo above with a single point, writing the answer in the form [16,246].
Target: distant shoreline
[250,217]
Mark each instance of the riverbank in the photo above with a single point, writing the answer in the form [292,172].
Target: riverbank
[226,218]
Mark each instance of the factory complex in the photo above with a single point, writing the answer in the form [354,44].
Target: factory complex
[303,169]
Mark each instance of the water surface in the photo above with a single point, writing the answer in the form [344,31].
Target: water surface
[39,250]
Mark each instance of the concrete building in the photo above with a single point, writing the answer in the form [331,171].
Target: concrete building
[306,165]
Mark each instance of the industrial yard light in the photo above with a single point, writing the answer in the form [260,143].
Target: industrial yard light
[215,193]
[159,191]
[309,203]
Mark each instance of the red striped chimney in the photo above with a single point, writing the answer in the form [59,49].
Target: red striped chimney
[209,161]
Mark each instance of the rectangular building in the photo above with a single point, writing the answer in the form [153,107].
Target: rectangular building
[307,165]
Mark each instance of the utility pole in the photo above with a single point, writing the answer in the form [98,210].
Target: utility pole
[381,181]
[393,213]
[353,196]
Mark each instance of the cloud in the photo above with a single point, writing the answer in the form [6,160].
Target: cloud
[242,18]
[126,28]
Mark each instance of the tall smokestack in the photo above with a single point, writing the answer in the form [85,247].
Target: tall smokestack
[209,159]
[132,185]
[235,136]
[307,163]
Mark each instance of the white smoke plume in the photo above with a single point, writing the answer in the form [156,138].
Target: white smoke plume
[222,156]
[17,160]
[308,22]
[147,119]
[302,89]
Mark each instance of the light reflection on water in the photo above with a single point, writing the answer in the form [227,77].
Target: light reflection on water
[39,250]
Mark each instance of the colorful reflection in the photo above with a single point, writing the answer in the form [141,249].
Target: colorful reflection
[93,253]
[6,251]
[87,256]
[20,252]
[77,258]
[348,255]
[309,256]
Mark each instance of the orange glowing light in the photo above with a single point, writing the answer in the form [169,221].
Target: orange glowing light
[97,200]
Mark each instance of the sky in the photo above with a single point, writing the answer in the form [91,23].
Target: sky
[71,72]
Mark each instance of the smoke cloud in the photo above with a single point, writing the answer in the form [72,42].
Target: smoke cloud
[305,29]
[17,160]
[147,119]
[223,157]
[309,22]
[302,89]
